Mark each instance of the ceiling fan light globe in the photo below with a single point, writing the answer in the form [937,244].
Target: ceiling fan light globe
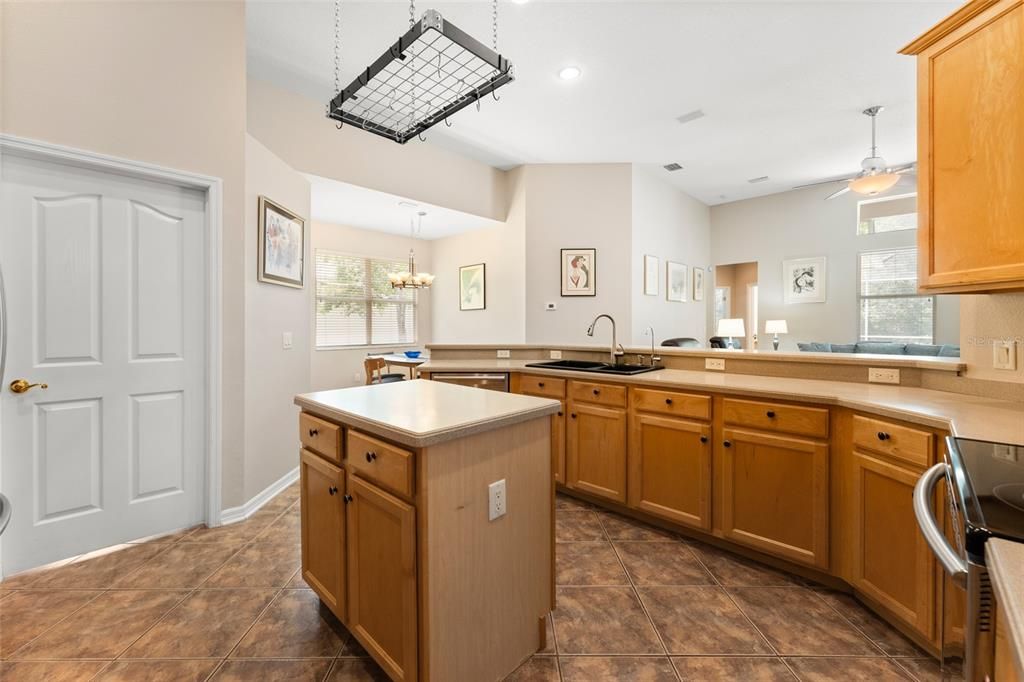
[874,184]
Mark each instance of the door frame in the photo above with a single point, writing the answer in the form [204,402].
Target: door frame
[213,191]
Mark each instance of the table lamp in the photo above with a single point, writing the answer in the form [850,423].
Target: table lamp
[731,327]
[775,327]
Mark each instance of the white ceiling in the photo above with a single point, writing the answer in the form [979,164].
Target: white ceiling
[343,204]
[782,83]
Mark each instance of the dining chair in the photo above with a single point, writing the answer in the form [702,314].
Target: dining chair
[375,373]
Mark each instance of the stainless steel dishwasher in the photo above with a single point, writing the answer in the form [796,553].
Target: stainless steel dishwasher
[492,381]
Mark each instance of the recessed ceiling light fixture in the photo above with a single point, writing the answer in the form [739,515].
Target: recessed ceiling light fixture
[690,116]
[569,73]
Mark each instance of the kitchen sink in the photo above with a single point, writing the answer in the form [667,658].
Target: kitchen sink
[595,367]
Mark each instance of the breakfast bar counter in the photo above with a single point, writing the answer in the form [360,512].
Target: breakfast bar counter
[428,523]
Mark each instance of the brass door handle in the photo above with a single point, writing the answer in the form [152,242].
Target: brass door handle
[22,386]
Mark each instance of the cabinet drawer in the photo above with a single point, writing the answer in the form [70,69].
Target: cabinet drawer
[671,402]
[886,438]
[321,436]
[543,386]
[600,394]
[377,461]
[805,421]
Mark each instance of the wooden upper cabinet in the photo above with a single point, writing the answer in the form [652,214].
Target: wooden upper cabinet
[670,469]
[970,123]
[323,530]
[892,563]
[382,611]
[775,495]
[596,453]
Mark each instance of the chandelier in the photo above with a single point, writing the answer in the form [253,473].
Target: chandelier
[410,279]
[434,70]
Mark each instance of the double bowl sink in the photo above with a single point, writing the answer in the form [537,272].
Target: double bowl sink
[595,367]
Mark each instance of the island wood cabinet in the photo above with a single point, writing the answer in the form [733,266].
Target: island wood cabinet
[970,123]
[596,440]
[323,529]
[670,456]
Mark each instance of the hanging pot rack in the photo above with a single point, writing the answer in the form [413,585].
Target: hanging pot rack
[431,72]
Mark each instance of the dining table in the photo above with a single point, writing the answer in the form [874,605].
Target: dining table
[401,360]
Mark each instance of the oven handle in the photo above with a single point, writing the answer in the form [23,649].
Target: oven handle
[924,493]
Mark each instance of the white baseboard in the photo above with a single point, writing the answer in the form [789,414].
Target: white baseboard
[241,513]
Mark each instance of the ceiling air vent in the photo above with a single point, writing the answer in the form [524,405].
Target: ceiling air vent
[690,116]
[671,167]
[754,181]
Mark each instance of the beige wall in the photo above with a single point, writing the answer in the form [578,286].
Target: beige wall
[338,368]
[295,128]
[984,318]
[160,82]
[273,374]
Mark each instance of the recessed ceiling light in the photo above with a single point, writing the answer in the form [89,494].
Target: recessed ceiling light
[690,116]
[568,73]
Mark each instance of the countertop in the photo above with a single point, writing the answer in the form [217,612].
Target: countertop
[963,415]
[423,413]
[1005,561]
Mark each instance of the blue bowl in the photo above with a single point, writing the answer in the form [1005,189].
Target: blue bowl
[413,353]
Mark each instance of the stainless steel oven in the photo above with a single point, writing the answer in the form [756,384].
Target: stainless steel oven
[985,498]
[494,381]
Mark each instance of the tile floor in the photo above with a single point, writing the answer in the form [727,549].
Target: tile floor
[634,603]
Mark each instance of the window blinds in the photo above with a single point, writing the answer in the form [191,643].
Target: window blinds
[356,305]
[890,309]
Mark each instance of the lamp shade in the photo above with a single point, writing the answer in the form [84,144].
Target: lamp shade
[873,184]
[730,327]
[775,327]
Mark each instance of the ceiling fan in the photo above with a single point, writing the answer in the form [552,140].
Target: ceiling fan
[875,176]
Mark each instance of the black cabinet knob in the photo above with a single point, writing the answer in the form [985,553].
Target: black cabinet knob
[347,498]
[597,391]
[332,490]
[370,456]
[882,435]
[703,439]
[771,414]
[668,401]
[560,413]
[727,444]
[540,384]
[313,432]
[573,415]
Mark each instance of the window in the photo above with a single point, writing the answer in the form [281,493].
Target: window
[875,216]
[890,309]
[356,305]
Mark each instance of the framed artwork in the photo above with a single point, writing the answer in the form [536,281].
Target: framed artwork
[803,280]
[281,245]
[650,275]
[579,272]
[675,281]
[698,284]
[473,287]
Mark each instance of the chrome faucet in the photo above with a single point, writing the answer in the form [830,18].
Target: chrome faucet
[650,332]
[616,350]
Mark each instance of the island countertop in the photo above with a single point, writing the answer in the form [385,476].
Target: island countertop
[424,413]
[1005,561]
[963,415]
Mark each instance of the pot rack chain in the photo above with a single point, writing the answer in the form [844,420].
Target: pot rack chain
[337,47]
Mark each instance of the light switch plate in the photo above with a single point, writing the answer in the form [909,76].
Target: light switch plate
[715,363]
[504,354]
[286,340]
[556,355]
[497,501]
[1004,355]
[885,375]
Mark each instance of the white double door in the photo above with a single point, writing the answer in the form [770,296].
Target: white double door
[105,290]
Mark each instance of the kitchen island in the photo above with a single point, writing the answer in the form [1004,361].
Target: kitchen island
[397,532]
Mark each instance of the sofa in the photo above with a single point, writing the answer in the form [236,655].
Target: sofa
[883,348]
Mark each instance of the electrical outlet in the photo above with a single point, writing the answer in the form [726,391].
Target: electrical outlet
[358,377]
[551,306]
[715,363]
[556,355]
[1004,355]
[878,375]
[286,340]
[504,354]
[497,500]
